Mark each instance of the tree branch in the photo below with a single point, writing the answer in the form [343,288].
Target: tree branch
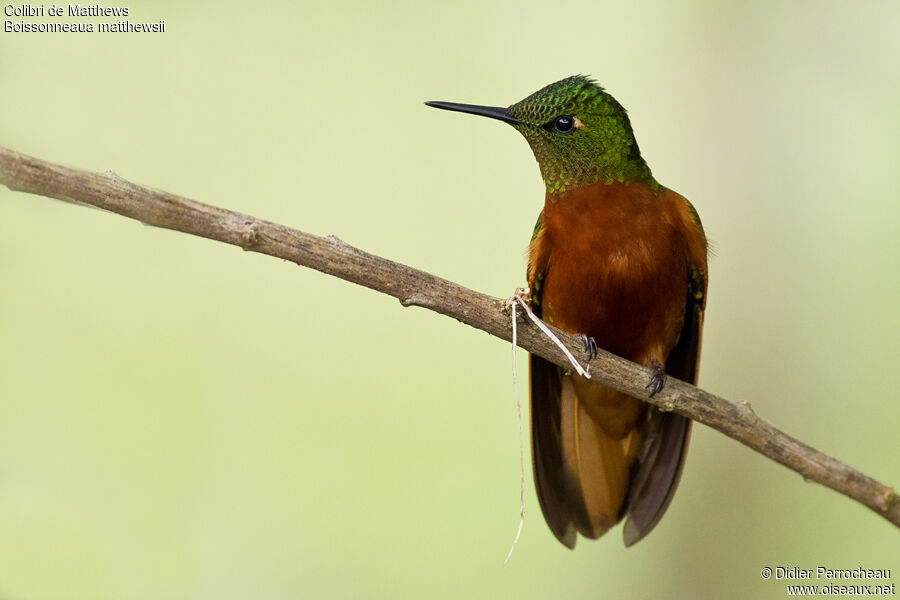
[417,288]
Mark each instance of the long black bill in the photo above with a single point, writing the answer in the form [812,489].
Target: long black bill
[494,112]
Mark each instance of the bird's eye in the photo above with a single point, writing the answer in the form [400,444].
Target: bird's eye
[564,124]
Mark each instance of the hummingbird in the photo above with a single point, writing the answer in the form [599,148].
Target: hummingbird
[620,261]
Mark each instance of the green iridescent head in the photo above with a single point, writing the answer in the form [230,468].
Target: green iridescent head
[578,132]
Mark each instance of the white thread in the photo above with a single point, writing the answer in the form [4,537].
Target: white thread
[521,445]
[549,334]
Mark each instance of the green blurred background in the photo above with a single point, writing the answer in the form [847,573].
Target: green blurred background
[181,419]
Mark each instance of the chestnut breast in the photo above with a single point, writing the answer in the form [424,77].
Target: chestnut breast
[615,259]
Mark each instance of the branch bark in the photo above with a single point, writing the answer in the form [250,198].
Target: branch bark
[416,288]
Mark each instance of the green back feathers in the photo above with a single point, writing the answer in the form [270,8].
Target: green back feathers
[580,135]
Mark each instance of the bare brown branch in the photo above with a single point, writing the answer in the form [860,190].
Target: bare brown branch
[417,288]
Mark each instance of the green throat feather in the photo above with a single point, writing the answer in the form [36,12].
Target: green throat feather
[580,135]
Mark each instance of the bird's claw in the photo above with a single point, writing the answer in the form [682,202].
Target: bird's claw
[590,345]
[657,377]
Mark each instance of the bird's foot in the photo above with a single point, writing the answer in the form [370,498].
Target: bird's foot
[590,345]
[657,378]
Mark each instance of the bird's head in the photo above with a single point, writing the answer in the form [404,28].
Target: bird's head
[578,132]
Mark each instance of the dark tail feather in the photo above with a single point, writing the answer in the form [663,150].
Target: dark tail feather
[546,449]
[581,470]
[658,470]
